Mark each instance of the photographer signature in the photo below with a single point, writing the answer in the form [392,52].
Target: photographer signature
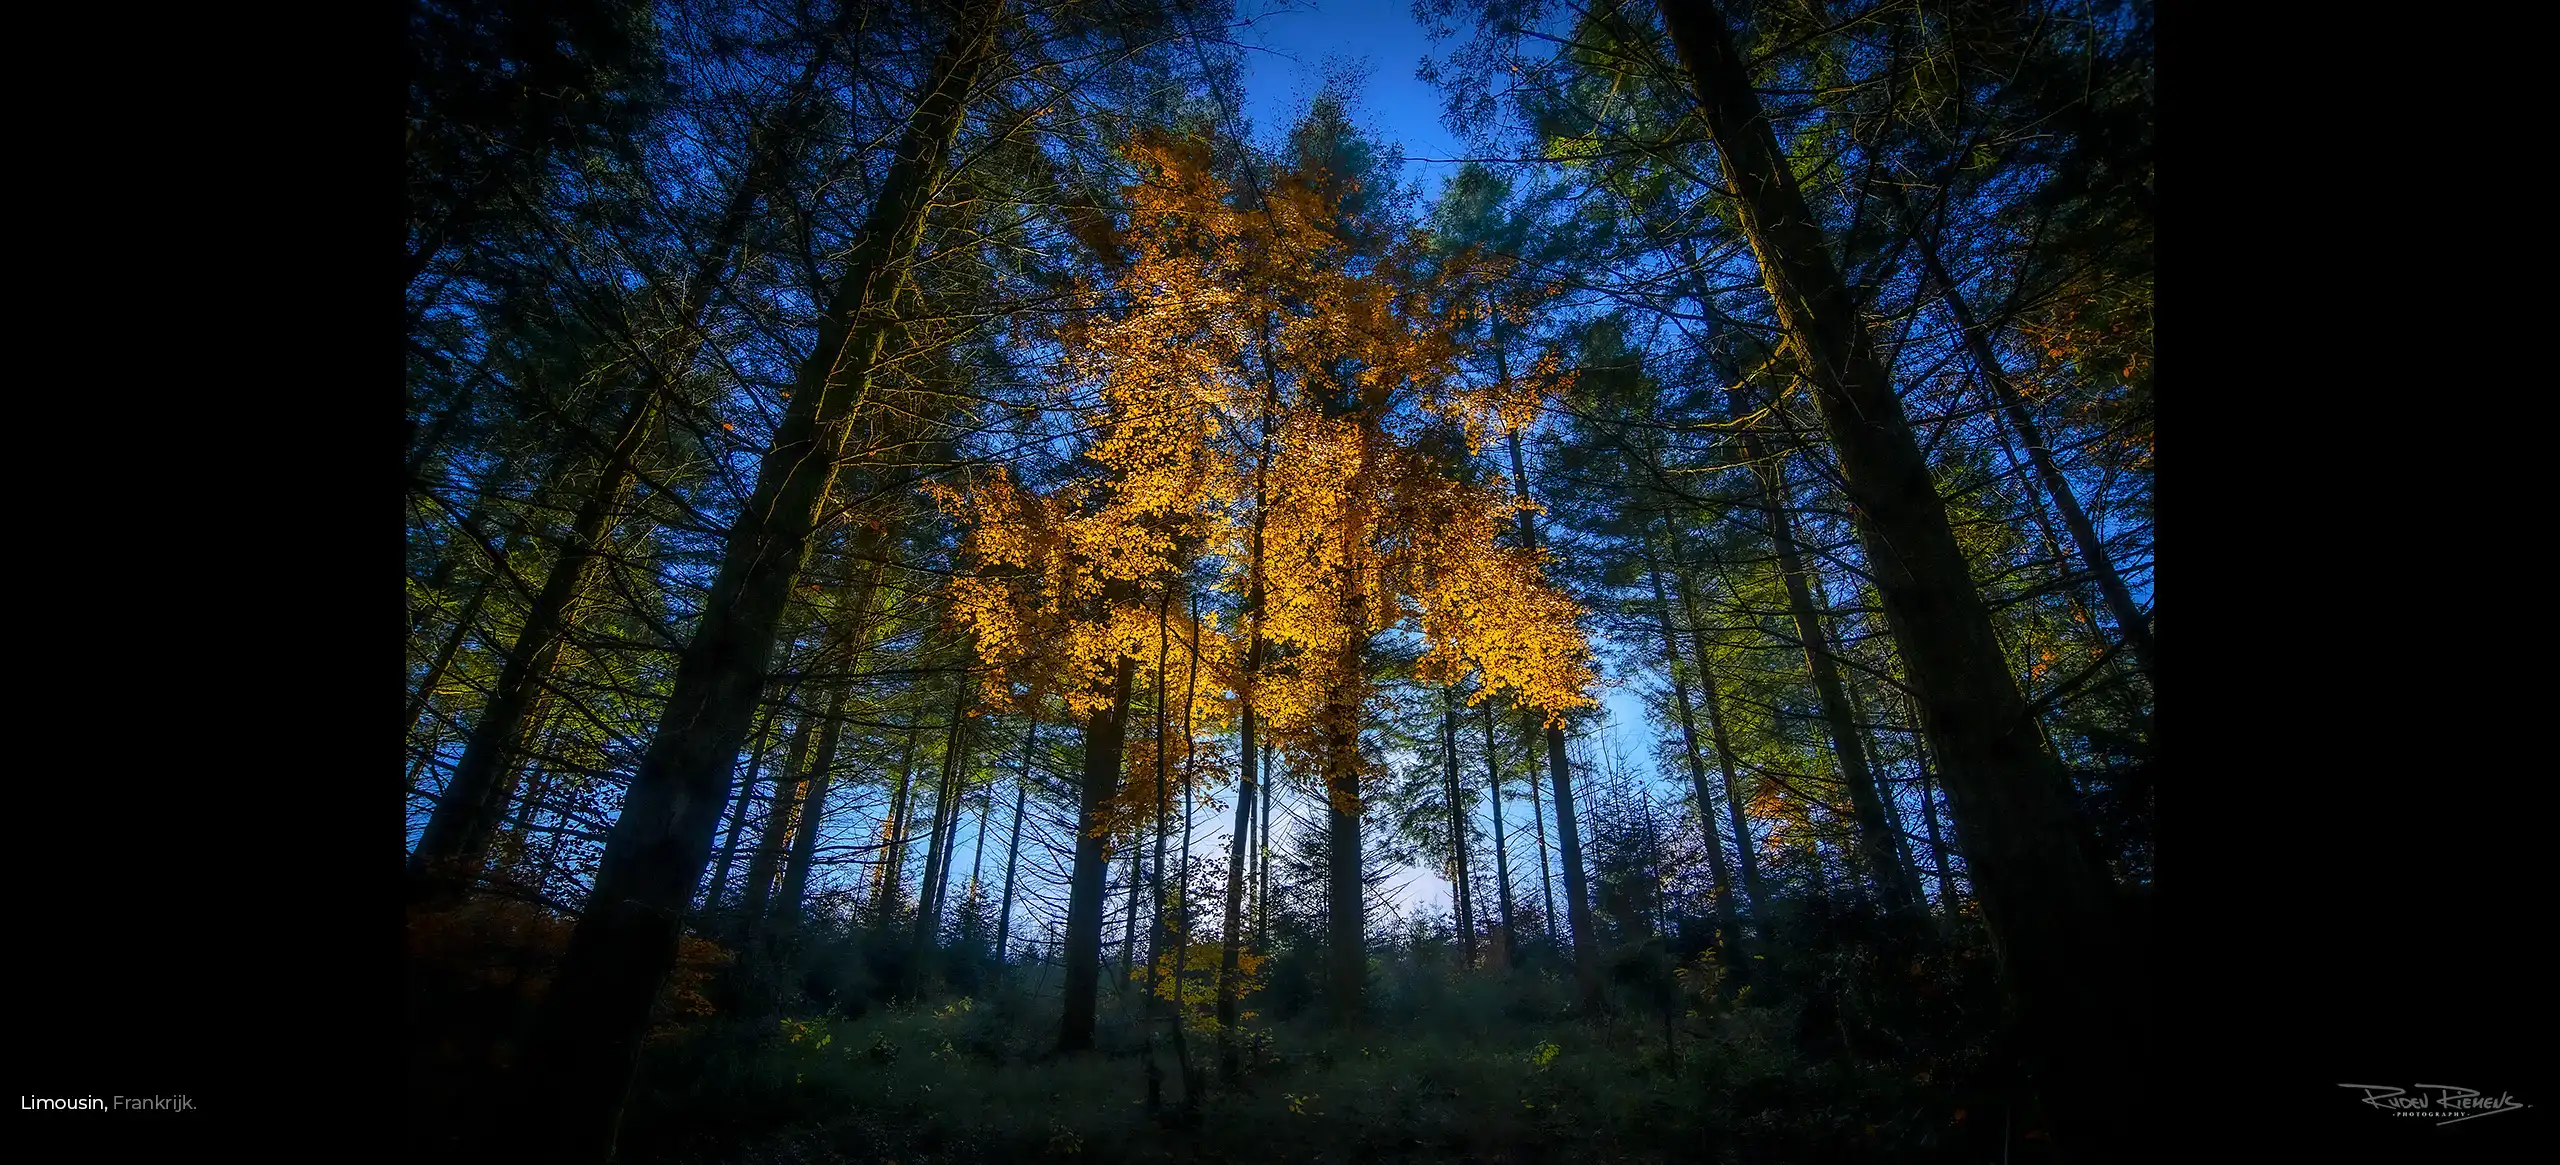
[2449,1104]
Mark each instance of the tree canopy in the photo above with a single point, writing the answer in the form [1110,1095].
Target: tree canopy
[1645,645]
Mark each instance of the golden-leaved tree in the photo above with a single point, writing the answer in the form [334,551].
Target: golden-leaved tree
[1269,393]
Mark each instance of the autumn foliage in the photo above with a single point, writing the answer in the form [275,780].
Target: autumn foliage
[1265,392]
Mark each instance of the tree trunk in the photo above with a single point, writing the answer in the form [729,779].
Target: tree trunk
[1875,838]
[1501,833]
[738,799]
[456,836]
[1013,842]
[1262,896]
[423,696]
[852,640]
[1182,885]
[767,860]
[977,850]
[950,849]
[1538,833]
[942,909]
[1577,901]
[1746,854]
[2053,912]
[587,1040]
[1909,870]
[813,813]
[1577,897]
[1655,923]
[1346,896]
[1929,815]
[946,821]
[1129,916]
[425,753]
[1150,1007]
[527,780]
[1346,913]
[1464,894]
[2083,606]
[1106,736]
[890,893]
[1231,952]
[1726,917]
[1181,924]
[434,678]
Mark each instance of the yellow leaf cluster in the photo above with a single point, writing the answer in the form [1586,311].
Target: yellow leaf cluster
[1194,992]
[1253,378]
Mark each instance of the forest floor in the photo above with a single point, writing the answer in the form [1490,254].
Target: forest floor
[1475,1066]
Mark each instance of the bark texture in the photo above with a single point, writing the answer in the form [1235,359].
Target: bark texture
[2055,918]
[587,1037]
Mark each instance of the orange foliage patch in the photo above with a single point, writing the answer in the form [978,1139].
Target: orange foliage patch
[1250,377]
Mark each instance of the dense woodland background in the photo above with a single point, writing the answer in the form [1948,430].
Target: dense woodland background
[964,603]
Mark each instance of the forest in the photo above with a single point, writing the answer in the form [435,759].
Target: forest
[967,600]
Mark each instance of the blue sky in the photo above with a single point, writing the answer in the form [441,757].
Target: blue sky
[1291,44]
